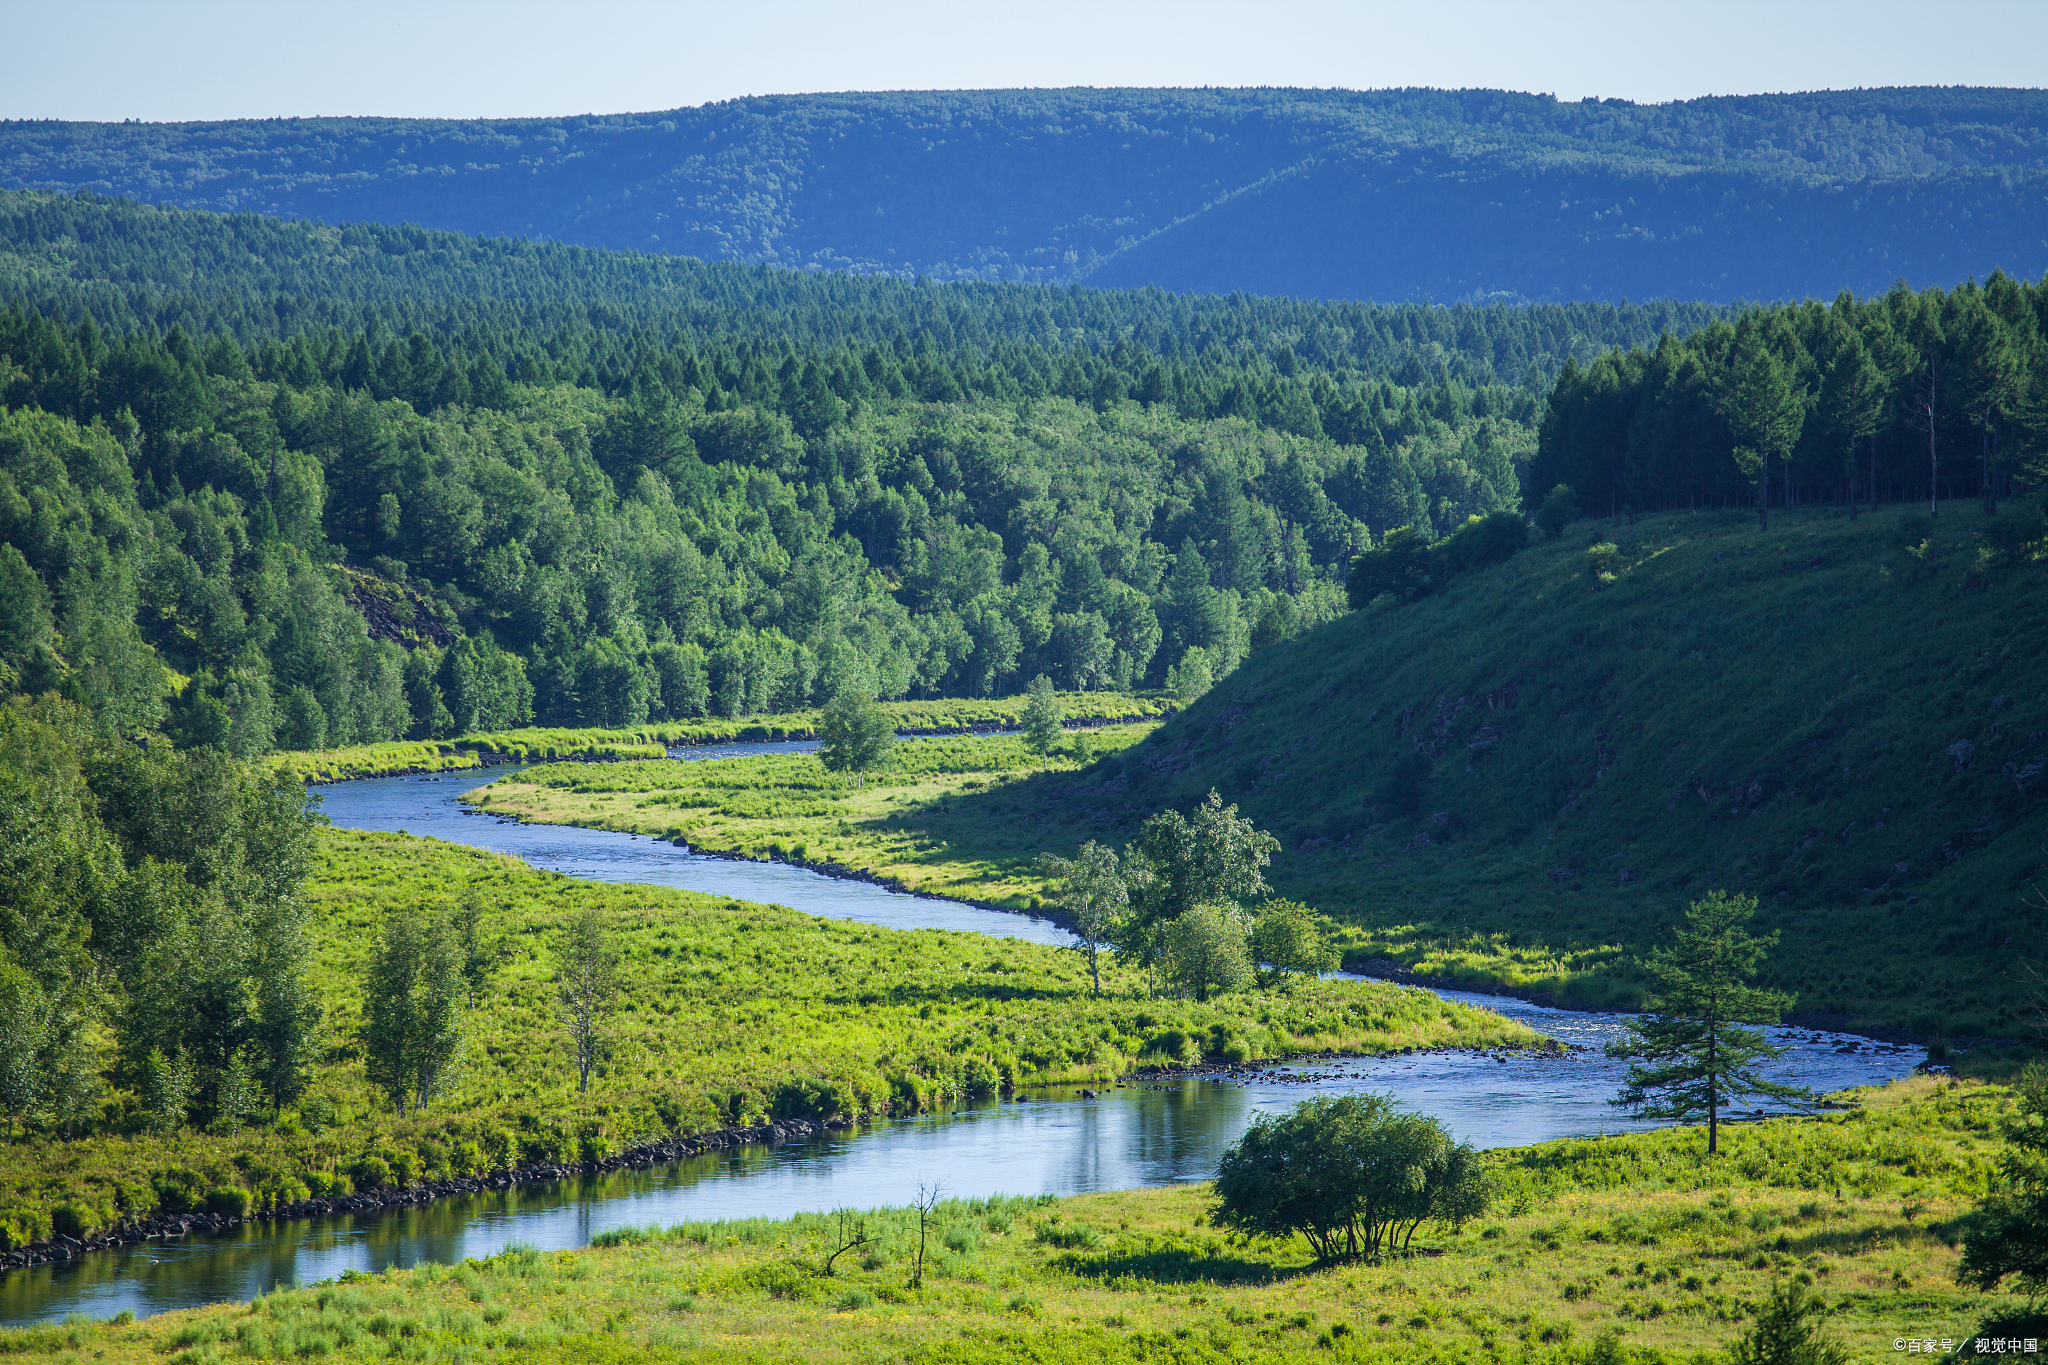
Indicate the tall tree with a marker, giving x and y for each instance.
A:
(1212, 856)
(1093, 895)
(1763, 410)
(1693, 1057)
(1042, 716)
(855, 733)
(1853, 393)
(587, 978)
(1988, 380)
(412, 1008)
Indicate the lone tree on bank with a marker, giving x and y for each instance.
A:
(1694, 1058)
(856, 733)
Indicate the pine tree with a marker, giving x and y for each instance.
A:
(1694, 1057)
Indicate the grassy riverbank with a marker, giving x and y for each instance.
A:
(906, 824)
(1639, 1238)
(651, 741)
(730, 1012)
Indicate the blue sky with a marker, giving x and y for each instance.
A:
(214, 59)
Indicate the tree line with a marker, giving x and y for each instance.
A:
(130, 267)
(1907, 396)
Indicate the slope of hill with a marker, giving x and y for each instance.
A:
(1523, 780)
(1398, 194)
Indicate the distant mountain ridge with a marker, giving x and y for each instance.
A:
(1422, 195)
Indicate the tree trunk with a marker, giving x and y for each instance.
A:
(1713, 1093)
(1763, 491)
(1933, 460)
(1873, 471)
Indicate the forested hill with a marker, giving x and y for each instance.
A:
(1389, 195)
(127, 265)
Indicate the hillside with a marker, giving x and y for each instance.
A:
(1392, 195)
(1524, 779)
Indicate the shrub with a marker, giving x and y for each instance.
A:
(1560, 509)
(68, 1220)
(371, 1172)
(1480, 542)
(231, 1200)
(1352, 1174)
(1398, 567)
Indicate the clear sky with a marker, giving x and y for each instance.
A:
(217, 59)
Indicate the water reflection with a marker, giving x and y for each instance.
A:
(432, 806)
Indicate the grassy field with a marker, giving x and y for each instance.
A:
(1634, 1248)
(1523, 780)
(651, 741)
(730, 1012)
(957, 817)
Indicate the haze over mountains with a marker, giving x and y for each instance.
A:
(1390, 195)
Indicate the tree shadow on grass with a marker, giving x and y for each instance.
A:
(1181, 1265)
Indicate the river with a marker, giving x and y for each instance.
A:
(1053, 1142)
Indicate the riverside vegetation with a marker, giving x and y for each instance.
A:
(535, 744)
(727, 1014)
(1513, 781)
(1636, 1248)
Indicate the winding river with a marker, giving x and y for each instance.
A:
(1055, 1142)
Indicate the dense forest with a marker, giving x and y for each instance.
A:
(1906, 396)
(1422, 195)
(127, 265)
(347, 537)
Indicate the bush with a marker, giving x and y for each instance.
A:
(1479, 543)
(810, 1098)
(371, 1172)
(1352, 1174)
(1787, 1332)
(1398, 567)
(1560, 509)
(232, 1200)
(68, 1220)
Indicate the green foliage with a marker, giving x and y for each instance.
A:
(1351, 1174)
(1204, 951)
(1042, 717)
(1288, 936)
(2008, 1237)
(1693, 1058)
(856, 734)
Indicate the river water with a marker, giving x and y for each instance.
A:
(1052, 1141)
